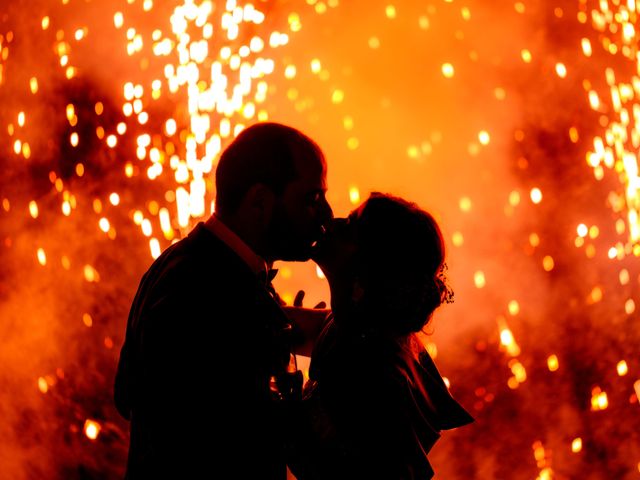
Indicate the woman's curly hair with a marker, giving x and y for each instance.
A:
(400, 264)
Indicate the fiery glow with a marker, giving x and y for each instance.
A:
(192, 80)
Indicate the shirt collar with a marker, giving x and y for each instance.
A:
(257, 264)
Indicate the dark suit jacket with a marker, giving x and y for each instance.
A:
(374, 409)
(203, 339)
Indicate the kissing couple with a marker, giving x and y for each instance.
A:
(207, 373)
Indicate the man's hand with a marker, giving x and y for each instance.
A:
(297, 302)
(307, 323)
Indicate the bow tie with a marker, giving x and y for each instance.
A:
(266, 276)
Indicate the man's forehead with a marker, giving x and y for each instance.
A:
(309, 162)
(313, 182)
(311, 168)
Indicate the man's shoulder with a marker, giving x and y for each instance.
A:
(200, 262)
(199, 250)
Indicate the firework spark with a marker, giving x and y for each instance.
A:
(617, 148)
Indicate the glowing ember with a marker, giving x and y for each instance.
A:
(87, 320)
(447, 70)
(465, 204)
(91, 274)
(629, 306)
(514, 307)
(552, 363)
(33, 209)
(354, 195)
(534, 239)
(582, 230)
(507, 340)
(576, 445)
(561, 70)
(42, 257)
(92, 429)
(457, 239)
(622, 368)
(599, 399)
(536, 195)
(42, 385)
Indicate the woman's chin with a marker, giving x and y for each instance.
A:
(322, 263)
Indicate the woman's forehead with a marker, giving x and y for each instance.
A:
(356, 213)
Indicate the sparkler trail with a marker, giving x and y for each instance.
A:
(218, 71)
(617, 25)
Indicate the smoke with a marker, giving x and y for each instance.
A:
(66, 285)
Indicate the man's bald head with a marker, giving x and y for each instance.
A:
(270, 154)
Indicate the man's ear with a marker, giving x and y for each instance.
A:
(261, 199)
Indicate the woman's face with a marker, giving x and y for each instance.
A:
(336, 251)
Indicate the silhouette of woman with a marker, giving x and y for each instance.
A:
(375, 403)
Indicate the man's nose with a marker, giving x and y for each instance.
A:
(327, 212)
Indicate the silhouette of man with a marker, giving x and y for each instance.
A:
(205, 338)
